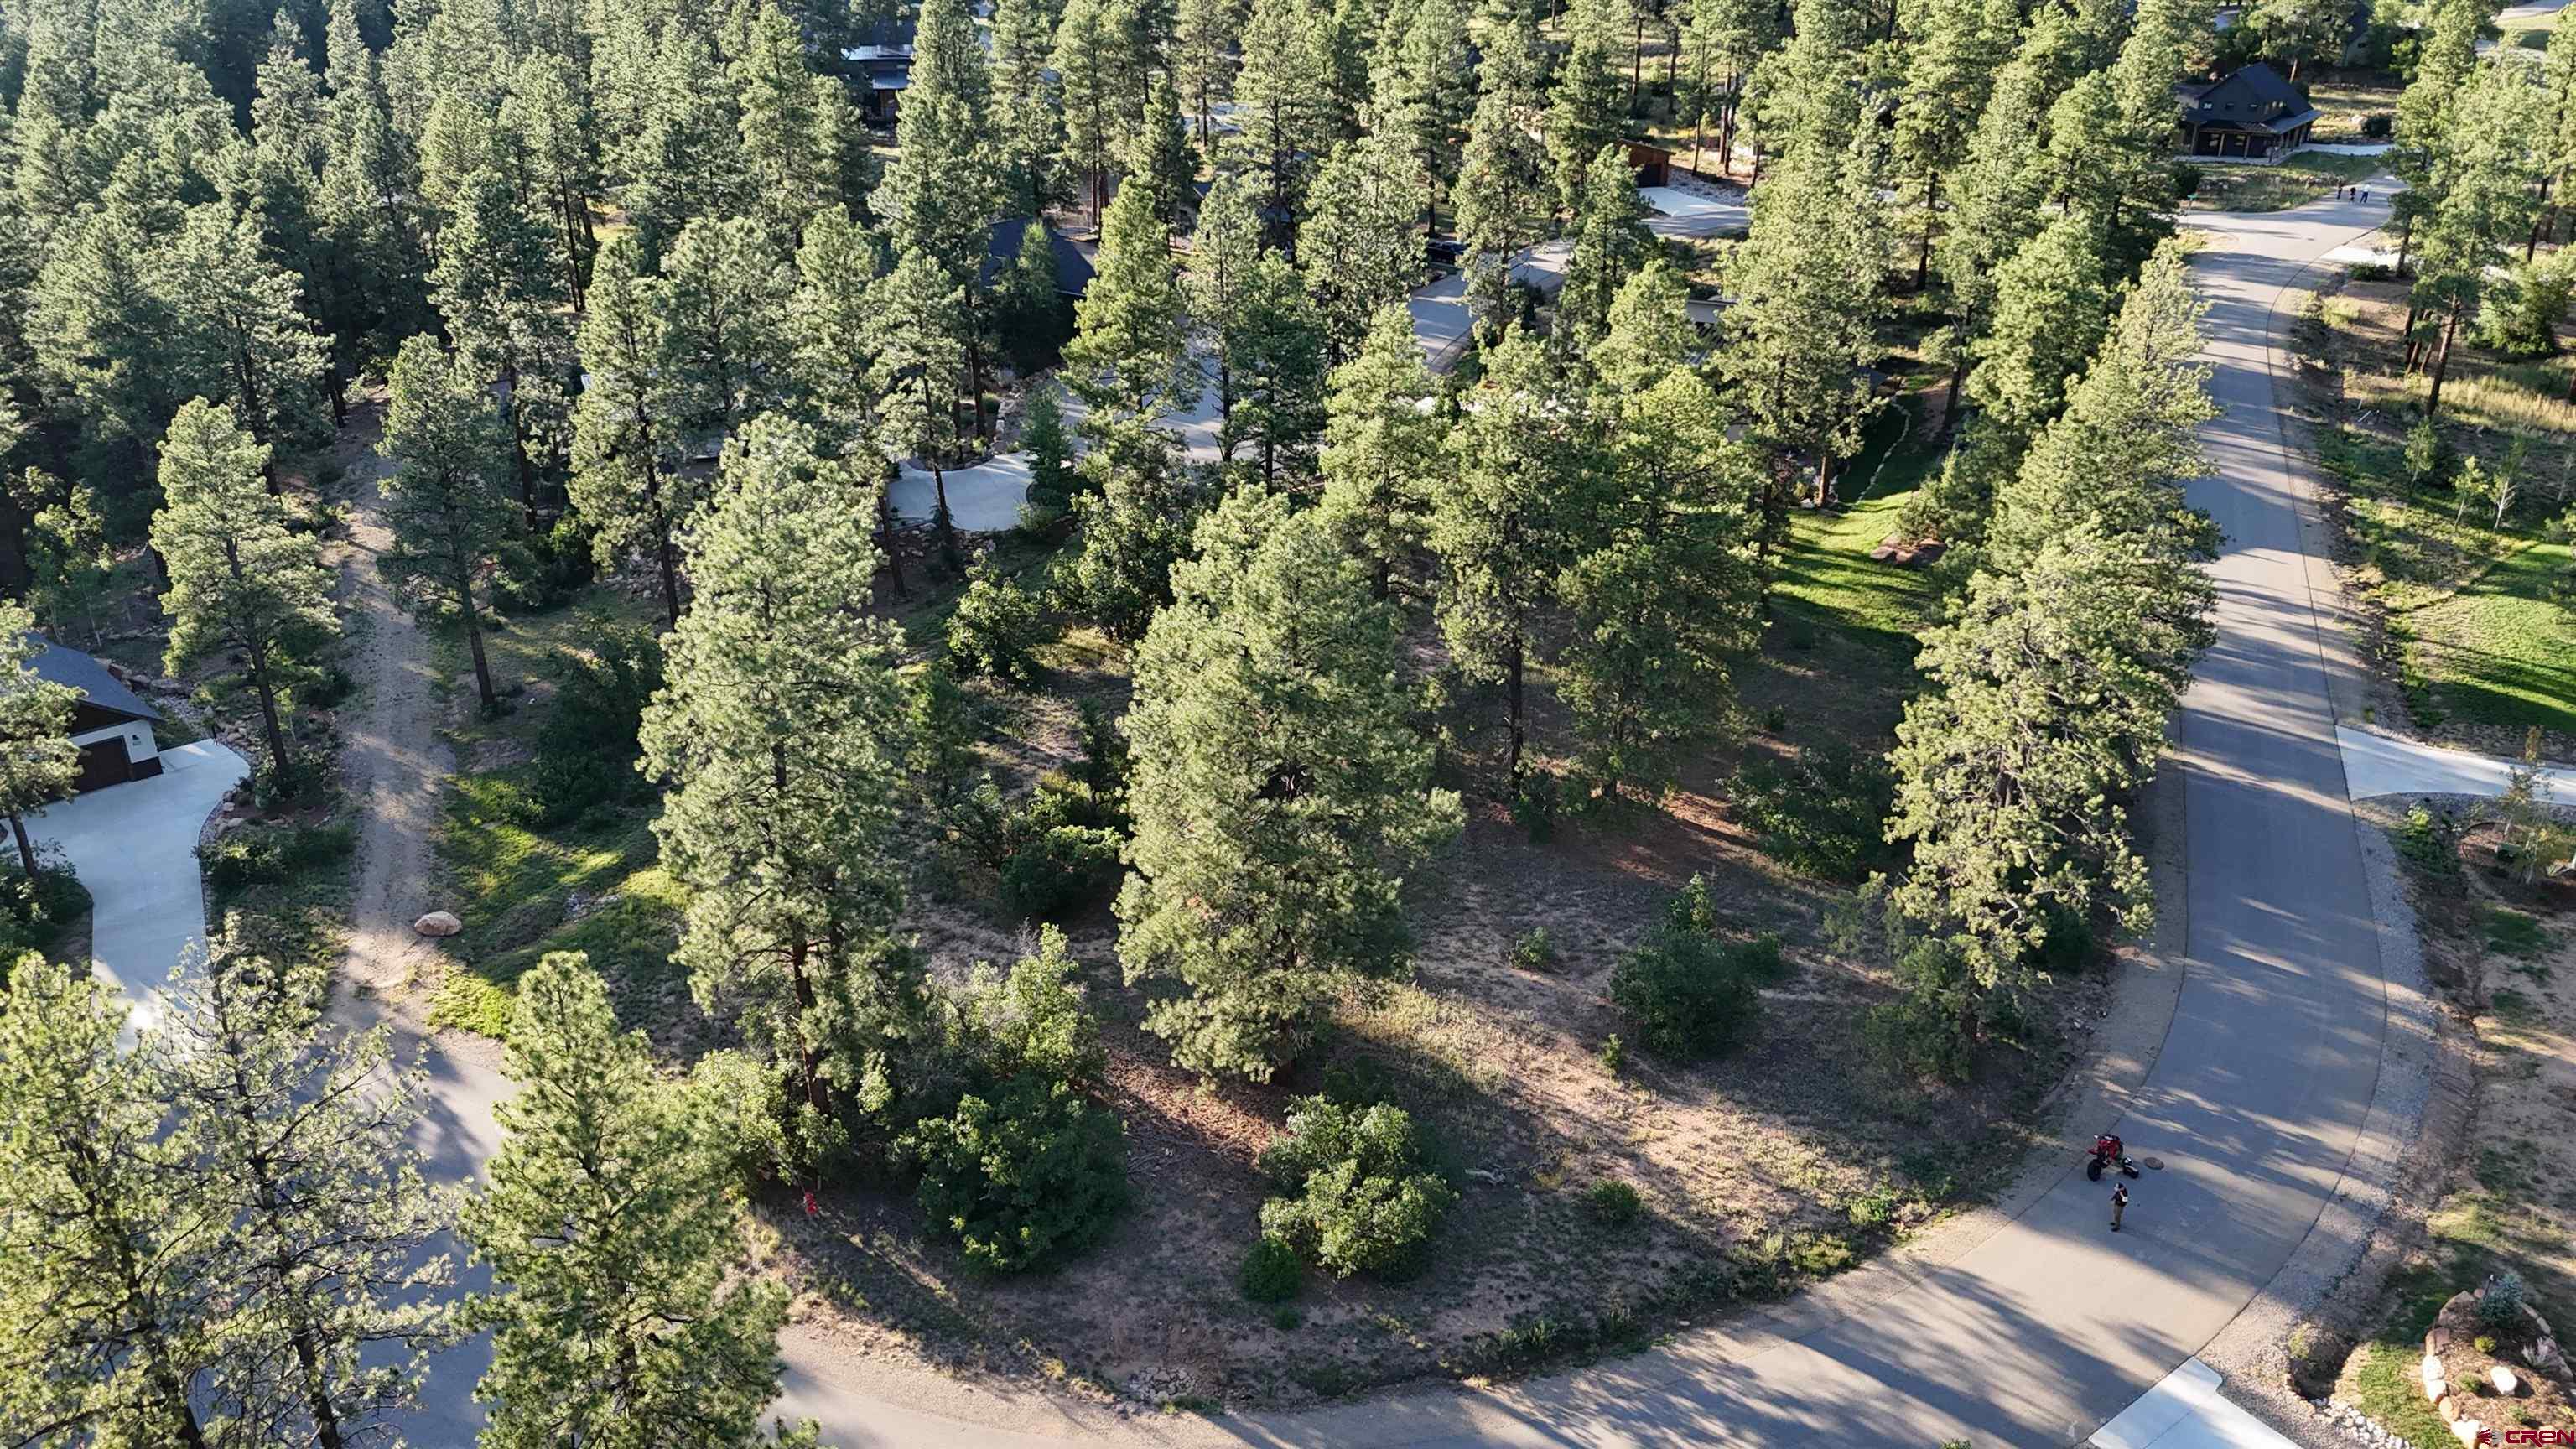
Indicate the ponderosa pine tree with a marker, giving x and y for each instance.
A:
(1722, 42)
(1589, 109)
(1028, 109)
(1424, 92)
(1085, 95)
(727, 344)
(2299, 31)
(1494, 526)
(1382, 451)
(1227, 245)
(1610, 243)
(682, 158)
(2488, 183)
(1159, 156)
(38, 761)
(241, 316)
(833, 323)
(1505, 193)
(625, 1317)
(1948, 77)
(1126, 356)
(500, 285)
(1649, 332)
(1280, 794)
(937, 197)
(1282, 94)
(1203, 57)
(1667, 595)
(922, 360)
(800, 141)
(627, 484)
(2051, 309)
(299, 1136)
(111, 1261)
(548, 122)
(1135, 521)
(446, 499)
(242, 583)
(777, 737)
(1358, 246)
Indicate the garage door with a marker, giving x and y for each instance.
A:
(104, 763)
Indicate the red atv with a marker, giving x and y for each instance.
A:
(2108, 1151)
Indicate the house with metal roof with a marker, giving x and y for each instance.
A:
(2253, 114)
(110, 722)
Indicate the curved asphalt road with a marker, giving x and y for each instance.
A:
(2050, 1326)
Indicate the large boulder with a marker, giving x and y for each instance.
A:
(438, 923)
(2467, 1431)
(2504, 1380)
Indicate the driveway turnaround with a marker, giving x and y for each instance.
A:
(135, 846)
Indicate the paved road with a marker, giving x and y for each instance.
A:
(135, 846)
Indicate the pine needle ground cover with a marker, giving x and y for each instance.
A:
(2479, 641)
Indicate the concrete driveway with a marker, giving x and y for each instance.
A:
(135, 846)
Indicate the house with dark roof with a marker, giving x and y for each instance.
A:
(110, 722)
(1002, 251)
(878, 67)
(2253, 114)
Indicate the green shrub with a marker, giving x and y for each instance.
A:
(1928, 1031)
(33, 917)
(1614, 1054)
(748, 1100)
(2499, 1302)
(1272, 1270)
(2428, 455)
(1613, 1203)
(1057, 871)
(1691, 995)
(1363, 1201)
(2378, 125)
(2429, 842)
(997, 628)
(1024, 1179)
(267, 854)
(1536, 805)
(1030, 1022)
(1822, 814)
(2483, 1343)
(1534, 950)
(585, 748)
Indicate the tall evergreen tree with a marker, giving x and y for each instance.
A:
(1279, 793)
(1126, 354)
(1722, 42)
(798, 134)
(921, 362)
(1028, 109)
(937, 197)
(834, 324)
(1085, 90)
(241, 582)
(445, 498)
(1425, 91)
(38, 761)
(501, 287)
(1610, 243)
(300, 1137)
(1948, 77)
(625, 1317)
(1504, 192)
(777, 735)
(1283, 96)
(1649, 332)
(1358, 245)
(627, 483)
(1589, 109)
(2051, 311)
(724, 296)
(1135, 521)
(1382, 451)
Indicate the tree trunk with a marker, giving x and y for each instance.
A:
(667, 558)
(26, 847)
(948, 549)
(282, 763)
(1636, 65)
(886, 545)
(2442, 361)
(1923, 259)
(474, 645)
(1513, 693)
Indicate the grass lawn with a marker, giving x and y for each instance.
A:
(2242, 186)
(2502, 650)
(2346, 107)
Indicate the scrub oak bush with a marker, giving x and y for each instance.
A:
(1358, 1197)
(585, 749)
(1053, 855)
(1613, 1203)
(1022, 1179)
(1691, 995)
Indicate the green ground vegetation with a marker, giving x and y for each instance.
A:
(2294, 182)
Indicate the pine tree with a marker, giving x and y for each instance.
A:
(300, 1136)
(1947, 81)
(110, 1257)
(1494, 526)
(1424, 93)
(1135, 523)
(626, 1317)
(1610, 243)
(1279, 793)
(834, 325)
(1158, 156)
(242, 583)
(1203, 56)
(627, 484)
(70, 568)
(796, 127)
(1997, 193)
(937, 198)
(1504, 195)
(2051, 311)
(38, 761)
(1358, 245)
(241, 316)
(445, 497)
(1669, 593)
(2301, 30)
(726, 345)
(921, 361)
(549, 120)
(1028, 109)
(1382, 451)
(1276, 355)
(1649, 332)
(1590, 107)
(682, 158)
(1126, 353)
(777, 737)
(1282, 93)
(1723, 41)
(501, 287)
(1225, 249)
(1085, 91)
(1810, 283)
(2487, 184)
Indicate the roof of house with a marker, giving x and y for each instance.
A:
(1072, 269)
(60, 665)
(2254, 98)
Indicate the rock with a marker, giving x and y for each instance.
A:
(1483, 1174)
(2447, 1407)
(2504, 1380)
(438, 923)
(2544, 1356)
(2436, 1390)
(2467, 1431)
(2437, 1339)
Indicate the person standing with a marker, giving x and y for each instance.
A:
(2119, 1204)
